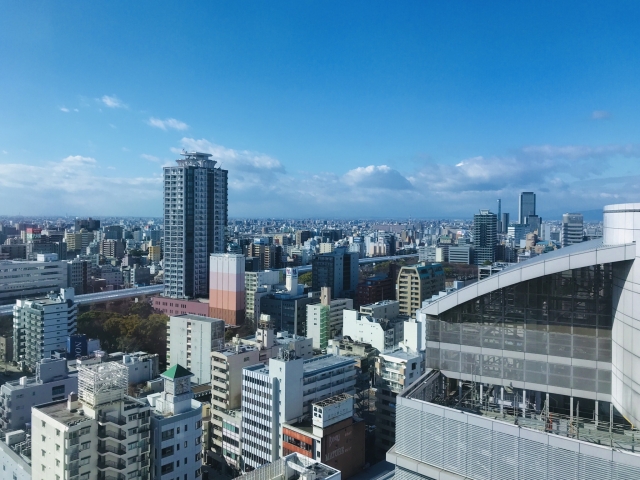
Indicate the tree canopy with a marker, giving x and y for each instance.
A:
(136, 329)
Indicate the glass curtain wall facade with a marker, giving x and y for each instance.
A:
(552, 332)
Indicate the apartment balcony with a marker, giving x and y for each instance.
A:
(117, 465)
(110, 476)
(116, 450)
(116, 434)
(115, 419)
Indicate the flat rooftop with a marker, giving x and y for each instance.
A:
(400, 355)
(59, 412)
(312, 366)
(33, 382)
(315, 365)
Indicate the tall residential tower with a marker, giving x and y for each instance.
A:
(195, 218)
(485, 226)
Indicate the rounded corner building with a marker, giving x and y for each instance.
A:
(533, 372)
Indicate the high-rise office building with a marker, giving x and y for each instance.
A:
(499, 216)
(88, 223)
(266, 253)
(533, 369)
(42, 326)
(338, 270)
(485, 237)
(526, 206)
(504, 222)
(302, 236)
(78, 272)
(195, 219)
(227, 287)
(572, 229)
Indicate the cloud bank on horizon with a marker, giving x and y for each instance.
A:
(566, 177)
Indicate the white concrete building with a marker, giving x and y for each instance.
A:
(22, 279)
(190, 341)
(176, 426)
(394, 371)
(42, 326)
(382, 333)
(293, 467)
(52, 382)
(99, 434)
(227, 365)
(283, 391)
(142, 366)
(382, 309)
(15, 456)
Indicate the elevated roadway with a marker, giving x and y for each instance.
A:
(155, 289)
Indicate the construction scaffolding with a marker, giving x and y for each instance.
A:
(102, 383)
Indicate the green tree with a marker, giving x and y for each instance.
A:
(305, 278)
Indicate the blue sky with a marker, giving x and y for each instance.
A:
(347, 109)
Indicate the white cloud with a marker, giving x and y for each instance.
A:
(243, 161)
(76, 110)
(113, 101)
(567, 178)
(374, 176)
(600, 115)
(64, 109)
(76, 184)
(168, 123)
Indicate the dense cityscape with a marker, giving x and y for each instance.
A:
(319, 240)
(301, 344)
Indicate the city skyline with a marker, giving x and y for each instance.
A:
(382, 112)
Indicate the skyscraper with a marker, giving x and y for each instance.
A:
(526, 206)
(504, 222)
(485, 225)
(195, 218)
